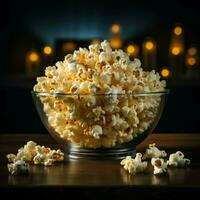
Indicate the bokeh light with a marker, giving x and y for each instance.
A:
(47, 50)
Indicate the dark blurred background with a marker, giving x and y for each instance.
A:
(163, 34)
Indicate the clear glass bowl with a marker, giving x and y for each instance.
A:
(100, 126)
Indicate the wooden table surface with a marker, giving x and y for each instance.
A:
(103, 178)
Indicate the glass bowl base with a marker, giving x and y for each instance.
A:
(77, 152)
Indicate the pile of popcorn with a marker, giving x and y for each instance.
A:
(101, 108)
(136, 165)
(32, 153)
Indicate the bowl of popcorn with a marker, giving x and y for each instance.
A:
(99, 103)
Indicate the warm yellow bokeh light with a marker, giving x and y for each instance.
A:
(191, 61)
(47, 50)
(95, 41)
(149, 45)
(130, 49)
(69, 46)
(165, 72)
(192, 51)
(116, 43)
(33, 57)
(178, 30)
(115, 28)
(175, 51)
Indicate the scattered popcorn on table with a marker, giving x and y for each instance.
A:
(154, 152)
(177, 160)
(160, 166)
(33, 153)
(11, 157)
(128, 164)
(46, 156)
(95, 77)
(20, 167)
(25, 153)
(134, 166)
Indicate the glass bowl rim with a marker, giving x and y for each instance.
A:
(164, 92)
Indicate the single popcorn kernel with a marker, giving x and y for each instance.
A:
(98, 105)
(178, 160)
(154, 152)
(160, 166)
(134, 165)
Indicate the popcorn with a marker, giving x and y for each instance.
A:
(46, 156)
(20, 167)
(160, 166)
(72, 67)
(177, 160)
(104, 57)
(98, 111)
(102, 84)
(106, 46)
(134, 166)
(25, 153)
(128, 164)
(96, 131)
(31, 152)
(11, 157)
(154, 152)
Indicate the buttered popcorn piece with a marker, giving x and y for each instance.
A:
(25, 153)
(97, 131)
(46, 156)
(154, 152)
(160, 166)
(141, 165)
(134, 166)
(128, 164)
(96, 78)
(20, 167)
(177, 160)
